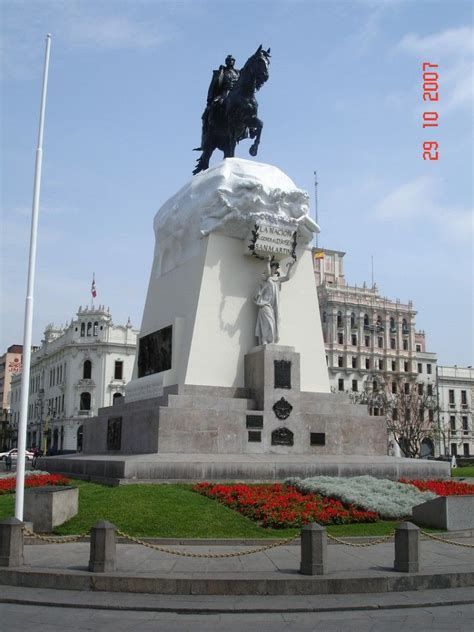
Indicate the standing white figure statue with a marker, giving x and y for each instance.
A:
(267, 300)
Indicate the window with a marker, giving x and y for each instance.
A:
(366, 321)
(454, 449)
(354, 362)
(340, 384)
(452, 423)
(465, 427)
(340, 338)
(89, 329)
(395, 414)
(62, 403)
(85, 401)
(451, 396)
(430, 415)
(420, 367)
(428, 369)
(354, 340)
(324, 317)
(429, 389)
(394, 387)
(392, 324)
(464, 398)
(380, 342)
(83, 330)
(96, 328)
(380, 364)
(117, 398)
(118, 372)
(394, 365)
(367, 341)
(404, 326)
(87, 370)
(340, 361)
(465, 449)
(375, 386)
(420, 389)
(367, 363)
(406, 387)
(355, 386)
(422, 413)
(418, 348)
(353, 320)
(405, 344)
(405, 367)
(393, 343)
(339, 319)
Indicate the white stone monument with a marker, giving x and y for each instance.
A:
(200, 310)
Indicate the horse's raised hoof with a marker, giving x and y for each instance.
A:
(253, 150)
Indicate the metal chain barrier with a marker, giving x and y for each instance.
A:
(385, 538)
(435, 537)
(163, 549)
(62, 540)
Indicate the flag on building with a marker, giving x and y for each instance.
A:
(93, 290)
(319, 254)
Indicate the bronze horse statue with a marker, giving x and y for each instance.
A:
(228, 120)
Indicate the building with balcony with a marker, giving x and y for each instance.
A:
(366, 334)
(10, 365)
(77, 369)
(456, 397)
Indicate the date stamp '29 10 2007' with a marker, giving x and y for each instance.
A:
(430, 119)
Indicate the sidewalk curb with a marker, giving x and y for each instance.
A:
(232, 585)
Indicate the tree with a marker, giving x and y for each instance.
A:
(408, 408)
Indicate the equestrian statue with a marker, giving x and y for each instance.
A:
(231, 110)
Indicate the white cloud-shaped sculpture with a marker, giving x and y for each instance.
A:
(228, 198)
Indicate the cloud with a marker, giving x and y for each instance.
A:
(115, 32)
(419, 199)
(453, 50)
(100, 26)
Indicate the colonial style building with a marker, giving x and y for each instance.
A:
(366, 334)
(76, 370)
(456, 397)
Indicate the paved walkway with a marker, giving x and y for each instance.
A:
(279, 562)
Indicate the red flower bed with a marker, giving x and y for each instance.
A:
(442, 488)
(7, 485)
(280, 506)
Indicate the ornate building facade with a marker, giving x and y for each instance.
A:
(77, 369)
(366, 334)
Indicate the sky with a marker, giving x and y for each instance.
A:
(127, 86)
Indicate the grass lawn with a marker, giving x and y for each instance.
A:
(463, 471)
(172, 511)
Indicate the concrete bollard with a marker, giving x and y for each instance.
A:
(313, 549)
(11, 542)
(103, 557)
(407, 548)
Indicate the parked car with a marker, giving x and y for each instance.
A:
(13, 454)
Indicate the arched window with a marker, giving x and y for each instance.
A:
(117, 398)
(339, 319)
(83, 330)
(353, 320)
(85, 401)
(404, 326)
(366, 321)
(392, 324)
(87, 370)
(89, 329)
(96, 328)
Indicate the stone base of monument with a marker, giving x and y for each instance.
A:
(270, 415)
(268, 430)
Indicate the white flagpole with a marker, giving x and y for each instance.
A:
(25, 376)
